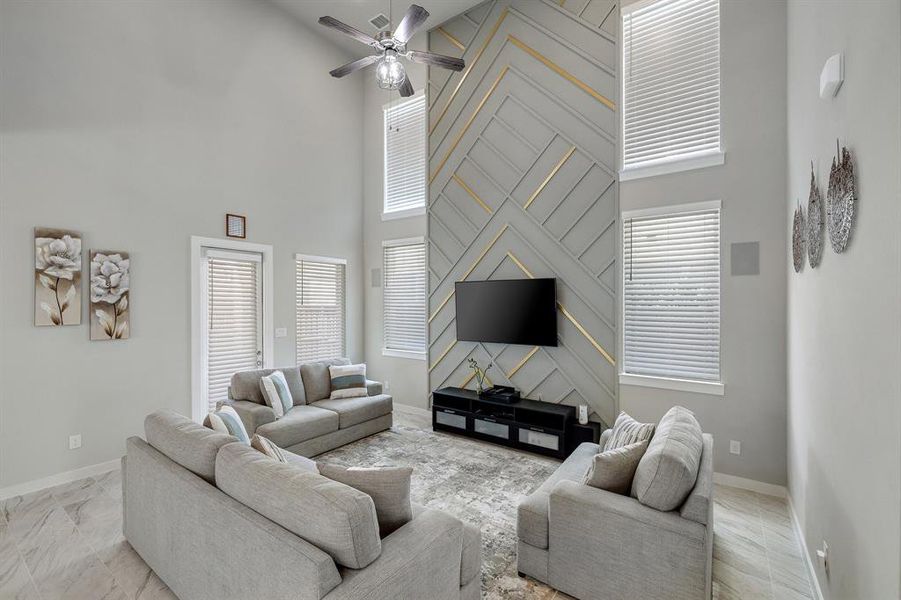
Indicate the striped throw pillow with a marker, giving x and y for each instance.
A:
(268, 448)
(628, 431)
(226, 420)
(276, 393)
(348, 381)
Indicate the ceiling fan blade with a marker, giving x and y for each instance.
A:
(414, 17)
(438, 60)
(333, 23)
(406, 88)
(360, 63)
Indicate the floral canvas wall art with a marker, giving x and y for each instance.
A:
(110, 279)
(57, 277)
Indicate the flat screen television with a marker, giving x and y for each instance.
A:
(507, 311)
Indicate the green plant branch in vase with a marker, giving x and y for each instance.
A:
(479, 374)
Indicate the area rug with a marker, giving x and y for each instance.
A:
(479, 483)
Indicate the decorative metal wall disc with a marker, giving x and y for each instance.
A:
(798, 240)
(840, 199)
(814, 222)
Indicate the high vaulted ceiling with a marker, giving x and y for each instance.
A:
(358, 12)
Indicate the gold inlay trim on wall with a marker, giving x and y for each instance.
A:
(470, 270)
(471, 65)
(451, 38)
(562, 72)
(471, 377)
(567, 314)
(549, 177)
(443, 354)
(469, 122)
(472, 193)
(524, 360)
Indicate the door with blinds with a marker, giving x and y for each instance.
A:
(320, 285)
(404, 298)
(232, 316)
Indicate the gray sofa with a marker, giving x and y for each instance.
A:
(217, 520)
(595, 544)
(315, 424)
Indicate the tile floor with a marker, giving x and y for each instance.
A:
(66, 543)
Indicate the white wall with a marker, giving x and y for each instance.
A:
(406, 377)
(140, 124)
(751, 185)
(844, 317)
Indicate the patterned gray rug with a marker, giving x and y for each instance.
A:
(477, 482)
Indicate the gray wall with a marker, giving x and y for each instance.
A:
(751, 186)
(844, 317)
(523, 182)
(140, 124)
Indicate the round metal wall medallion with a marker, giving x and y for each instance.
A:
(814, 222)
(840, 199)
(798, 240)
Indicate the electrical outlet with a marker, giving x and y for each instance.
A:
(386, 385)
(75, 441)
(281, 332)
(734, 447)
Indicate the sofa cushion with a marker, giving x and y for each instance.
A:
(334, 517)
(245, 385)
(316, 380)
(347, 381)
(189, 444)
(627, 430)
(389, 488)
(668, 470)
(353, 411)
(264, 445)
(531, 520)
(300, 424)
(226, 420)
(613, 470)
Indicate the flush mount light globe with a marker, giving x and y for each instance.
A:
(390, 73)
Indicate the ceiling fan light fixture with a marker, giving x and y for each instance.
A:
(390, 73)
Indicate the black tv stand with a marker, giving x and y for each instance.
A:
(524, 424)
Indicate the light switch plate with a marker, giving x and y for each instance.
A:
(75, 441)
(734, 447)
(281, 332)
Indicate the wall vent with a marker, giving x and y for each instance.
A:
(380, 21)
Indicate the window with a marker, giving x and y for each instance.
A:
(405, 158)
(671, 86)
(404, 295)
(320, 284)
(671, 297)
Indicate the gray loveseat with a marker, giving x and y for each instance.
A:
(595, 544)
(217, 520)
(315, 424)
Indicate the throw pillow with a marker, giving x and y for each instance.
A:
(389, 488)
(268, 448)
(226, 420)
(628, 431)
(276, 393)
(348, 381)
(613, 470)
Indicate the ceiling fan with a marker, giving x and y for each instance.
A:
(390, 73)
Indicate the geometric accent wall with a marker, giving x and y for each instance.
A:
(522, 183)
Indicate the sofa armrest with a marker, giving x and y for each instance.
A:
(252, 414)
(604, 437)
(419, 560)
(652, 553)
(373, 388)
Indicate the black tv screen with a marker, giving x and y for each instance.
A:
(507, 311)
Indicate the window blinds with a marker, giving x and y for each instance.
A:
(320, 288)
(234, 319)
(404, 289)
(405, 155)
(671, 81)
(671, 294)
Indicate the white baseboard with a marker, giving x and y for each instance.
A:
(808, 559)
(761, 487)
(58, 479)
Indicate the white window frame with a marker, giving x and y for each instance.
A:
(714, 388)
(326, 260)
(419, 210)
(676, 164)
(394, 352)
(199, 407)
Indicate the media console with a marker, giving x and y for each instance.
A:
(549, 429)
